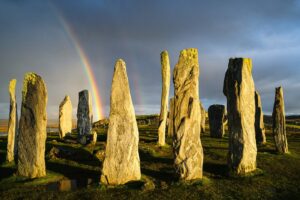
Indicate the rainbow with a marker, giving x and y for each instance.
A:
(86, 65)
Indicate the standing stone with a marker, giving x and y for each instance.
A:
(239, 90)
(33, 123)
(202, 118)
(279, 128)
(94, 138)
(12, 123)
(122, 161)
(84, 116)
(165, 71)
(171, 118)
(65, 117)
(216, 115)
(259, 121)
(186, 140)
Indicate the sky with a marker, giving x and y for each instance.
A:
(44, 37)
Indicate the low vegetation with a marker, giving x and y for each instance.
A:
(278, 176)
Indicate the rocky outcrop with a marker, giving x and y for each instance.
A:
(84, 115)
(216, 116)
(32, 130)
(186, 140)
(165, 71)
(171, 118)
(203, 118)
(12, 123)
(259, 121)
(65, 117)
(279, 128)
(122, 162)
(239, 90)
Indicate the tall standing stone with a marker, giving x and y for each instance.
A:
(171, 118)
(186, 140)
(259, 121)
(165, 71)
(239, 90)
(84, 115)
(32, 130)
(122, 162)
(65, 117)
(279, 128)
(216, 116)
(202, 118)
(12, 123)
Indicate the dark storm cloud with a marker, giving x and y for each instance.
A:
(137, 31)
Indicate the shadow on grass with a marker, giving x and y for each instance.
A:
(79, 155)
(217, 148)
(160, 170)
(77, 173)
(101, 137)
(2, 158)
(266, 149)
(164, 174)
(6, 172)
(146, 156)
(148, 140)
(219, 170)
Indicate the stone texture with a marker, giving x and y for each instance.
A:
(165, 71)
(216, 116)
(259, 121)
(239, 90)
(65, 117)
(32, 130)
(202, 118)
(279, 128)
(94, 139)
(171, 118)
(122, 162)
(186, 140)
(84, 114)
(12, 123)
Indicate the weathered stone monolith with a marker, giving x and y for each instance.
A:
(259, 121)
(203, 118)
(122, 162)
(171, 118)
(12, 123)
(216, 116)
(32, 130)
(84, 116)
(165, 71)
(94, 139)
(279, 128)
(239, 90)
(186, 140)
(65, 117)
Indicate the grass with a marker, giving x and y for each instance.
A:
(278, 176)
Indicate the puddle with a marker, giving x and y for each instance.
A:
(66, 185)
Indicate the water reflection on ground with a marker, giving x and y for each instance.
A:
(65, 185)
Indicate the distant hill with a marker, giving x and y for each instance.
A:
(293, 122)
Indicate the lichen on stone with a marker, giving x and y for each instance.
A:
(248, 63)
(31, 78)
(12, 88)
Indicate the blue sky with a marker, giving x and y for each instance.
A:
(32, 38)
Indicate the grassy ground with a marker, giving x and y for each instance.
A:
(279, 177)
